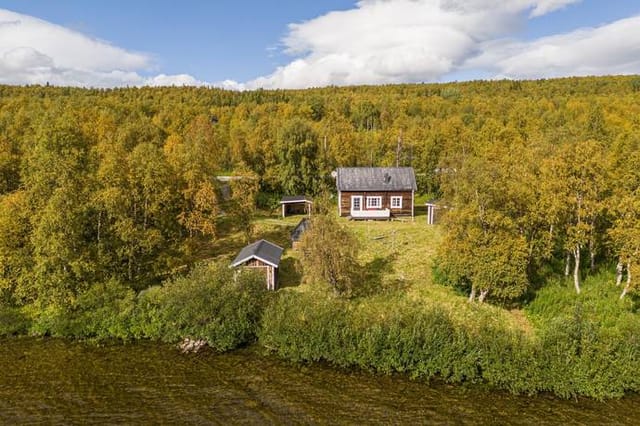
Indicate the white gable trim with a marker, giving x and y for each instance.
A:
(253, 256)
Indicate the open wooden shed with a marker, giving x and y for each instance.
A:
(295, 204)
(264, 256)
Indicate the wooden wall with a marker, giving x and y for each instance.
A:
(407, 200)
(270, 273)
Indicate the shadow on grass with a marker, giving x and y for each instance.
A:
(289, 273)
(420, 212)
(370, 277)
(635, 300)
(280, 236)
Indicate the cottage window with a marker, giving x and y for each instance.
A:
(374, 202)
(396, 202)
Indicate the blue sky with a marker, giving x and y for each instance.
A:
(211, 40)
(251, 43)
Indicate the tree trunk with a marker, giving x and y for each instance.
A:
(592, 256)
(144, 214)
(99, 225)
(625, 290)
(483, 295)
(619, 269)
(567, 264)
(576, 268)
(130, 266)
(472, 296)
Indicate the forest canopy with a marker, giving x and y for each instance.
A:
(99, 185)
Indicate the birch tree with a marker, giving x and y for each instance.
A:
(486, 246)
(625, 201)
(575, 193)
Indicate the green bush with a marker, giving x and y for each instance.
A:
(13, 321)
(147, 320)
(422, 341)
(209, 303)
(268, 200)
(102, 312)
(50, 320)
(599, 299)
(569, 355)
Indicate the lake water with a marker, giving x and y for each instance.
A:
(51, 381)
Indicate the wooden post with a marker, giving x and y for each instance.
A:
(273, 278)
(412, 206)
(431, 213)
(283, 211)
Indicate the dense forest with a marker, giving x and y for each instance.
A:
(120, 184)
(115, 222)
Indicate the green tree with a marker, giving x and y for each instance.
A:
(57, 179)
(625, 203)
(15, 249)
(244, 191)
(329, 251)
(298, 150)
(9, 166)
(575, 193)
(492, 233)
(195, 158)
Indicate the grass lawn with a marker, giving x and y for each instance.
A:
(396, 258)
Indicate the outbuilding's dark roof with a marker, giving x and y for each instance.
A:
(376, 179)
(302, 226)
(263, 250)
(295, 199)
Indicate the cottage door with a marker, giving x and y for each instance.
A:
(356, 203)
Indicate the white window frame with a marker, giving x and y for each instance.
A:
(376, 205)
(353, 198)
(396, 198)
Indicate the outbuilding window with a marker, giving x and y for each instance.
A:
(374, 202)
(396, 202)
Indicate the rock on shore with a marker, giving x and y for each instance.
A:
(189, 345)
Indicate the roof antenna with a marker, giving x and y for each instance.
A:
(398, 149)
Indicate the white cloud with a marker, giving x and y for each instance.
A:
(394, 41)
(609, 49)
(68, 49)
(174, 80)
(230, 85)
(33, 51)
(542, 7)
(376, 42)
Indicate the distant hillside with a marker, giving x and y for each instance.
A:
(115, 183)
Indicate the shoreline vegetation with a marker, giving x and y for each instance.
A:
(568, 345)
(113, 226)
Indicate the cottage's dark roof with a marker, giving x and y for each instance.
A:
(302, 226)
(295, 199)
(376, 179)
(263, 250)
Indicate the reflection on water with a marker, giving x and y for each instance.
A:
(59, 382)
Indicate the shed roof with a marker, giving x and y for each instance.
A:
(288, 199)
(262, 250)
(302, 226)
(376, 179)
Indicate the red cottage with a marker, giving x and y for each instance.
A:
(376, 192)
